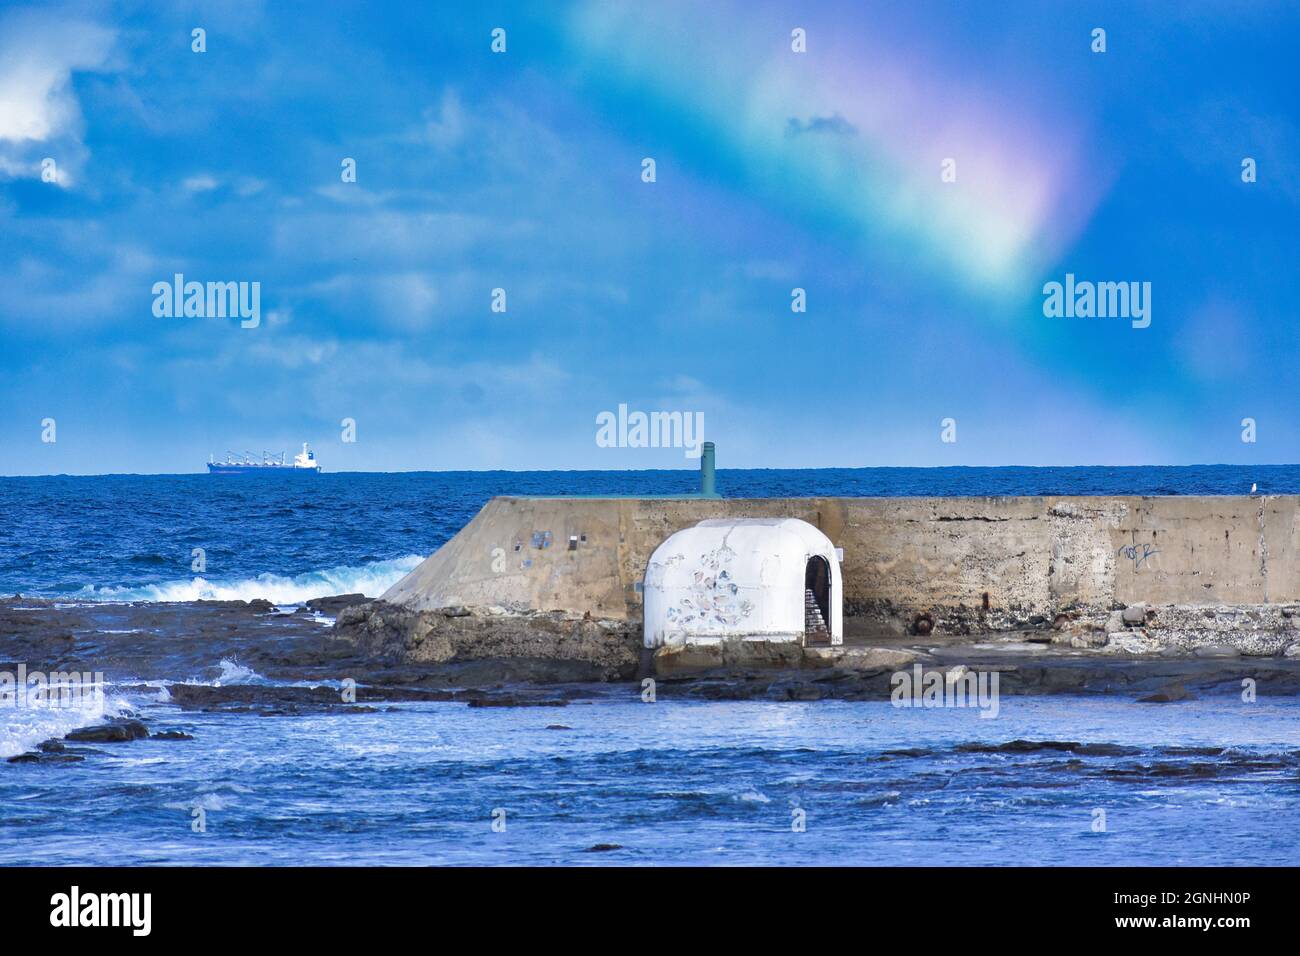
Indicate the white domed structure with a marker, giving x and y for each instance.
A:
(774, 579)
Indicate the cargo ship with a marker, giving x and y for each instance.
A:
(303, 463)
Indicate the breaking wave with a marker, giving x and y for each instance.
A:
(233, 672)
(371, 580)
(22, 728)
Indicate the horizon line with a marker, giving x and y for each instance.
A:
(612, 471)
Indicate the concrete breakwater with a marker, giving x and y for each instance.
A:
(1122, 575)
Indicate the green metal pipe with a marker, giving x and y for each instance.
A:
(708, 482)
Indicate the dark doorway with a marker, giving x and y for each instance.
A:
(817, 601)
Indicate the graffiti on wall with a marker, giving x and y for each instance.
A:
(1138, 553)
(714, 597)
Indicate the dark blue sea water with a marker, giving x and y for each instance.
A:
(131, 537)
(1212, 781)
(678, 783)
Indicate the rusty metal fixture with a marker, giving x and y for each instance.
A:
(923, 623)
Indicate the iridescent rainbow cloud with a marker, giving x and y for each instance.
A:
(856, 137)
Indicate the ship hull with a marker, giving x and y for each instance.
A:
(215, 469)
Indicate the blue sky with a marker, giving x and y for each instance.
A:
(774, 170)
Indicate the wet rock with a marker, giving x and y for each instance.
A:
(610, 650)
(1216, 650)
(1046, 673)
(249, 696)
(278, 699)
(1171, 694)
(1105, 750)
(514, 670)
(1018, 746)
(151, 641)
(558, 727)
(603, 848)
(859, 658)
(797, 690)
(36, 757)
(118, 731)
(331, 606)
(515, 700)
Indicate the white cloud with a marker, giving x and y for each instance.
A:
(392, 237)
(407, 300)
(42, 297)
(445, 128)
(248, 186)
(201, 183)
(39, 112)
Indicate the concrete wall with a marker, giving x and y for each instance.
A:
(1033, 555)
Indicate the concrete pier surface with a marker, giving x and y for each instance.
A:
(1127, 576)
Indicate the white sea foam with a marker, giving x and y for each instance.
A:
(233, 672)
(371, 580)
(210, 802)
(22, 728)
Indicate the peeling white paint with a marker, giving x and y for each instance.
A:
(737, 578)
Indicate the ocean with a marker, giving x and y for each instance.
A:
(607, 779)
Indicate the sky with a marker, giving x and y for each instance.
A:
(921, 171)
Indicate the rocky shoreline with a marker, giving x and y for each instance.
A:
(377, 655)
(612, 649)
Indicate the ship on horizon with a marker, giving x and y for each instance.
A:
(303, 463)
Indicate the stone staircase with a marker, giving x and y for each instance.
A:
(815, 630)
